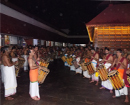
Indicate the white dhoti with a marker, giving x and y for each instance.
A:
(2, 75)
(86, 74)
(72, 68)
(107, 84)
(94, 76)
(79, 70)
(34, 89)
(26, 62)
(10, 83)
(123, 91)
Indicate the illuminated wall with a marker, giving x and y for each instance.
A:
(112, 37)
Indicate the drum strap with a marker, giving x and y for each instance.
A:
(35, 62)
(93, 56)
(107, 57)
(124, 75)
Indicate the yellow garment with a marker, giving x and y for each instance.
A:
(96, 74)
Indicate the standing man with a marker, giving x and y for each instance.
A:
(121, 66)
(94, 60)
(33, 74)
(10, 83)
(107, 61)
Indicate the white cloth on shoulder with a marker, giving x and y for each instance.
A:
(34, 89)
(10, 82)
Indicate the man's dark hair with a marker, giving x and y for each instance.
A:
(36, 46)
(5, 48)
(1, 49)
(13, 47)
(92, 48)
(29, 51)
(119, 50)
(106, 48)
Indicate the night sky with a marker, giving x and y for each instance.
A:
(64, 14)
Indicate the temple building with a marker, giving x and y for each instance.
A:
(111, 27)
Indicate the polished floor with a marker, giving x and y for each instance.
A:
(62, 87)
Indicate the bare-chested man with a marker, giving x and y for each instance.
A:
(10, 83)
(36, 55)
(34, 89)
(107, 61)
(125, 53)
(121, 66)
(94, 60)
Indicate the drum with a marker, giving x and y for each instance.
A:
(21, 61)
(102, 72)
(90, 68)
(63, 58)
(69, 61)
(44, 64)
(42, 73)
(116, 80)
(16, 70)
(84, 68)
(128, 78)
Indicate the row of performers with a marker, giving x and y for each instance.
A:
(41, 55)
(11, 62)
(114, 73)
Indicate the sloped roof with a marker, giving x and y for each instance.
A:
(118, 14)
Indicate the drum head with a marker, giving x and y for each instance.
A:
(112, 72)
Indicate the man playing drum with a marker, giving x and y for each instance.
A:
(107, 61)
(33, 74)
(94, 60)
(121, 66)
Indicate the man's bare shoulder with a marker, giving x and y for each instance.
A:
(4, 56)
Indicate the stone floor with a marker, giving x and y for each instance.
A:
(62, 87)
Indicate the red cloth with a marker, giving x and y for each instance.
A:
(107, 58)
(124, 75)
